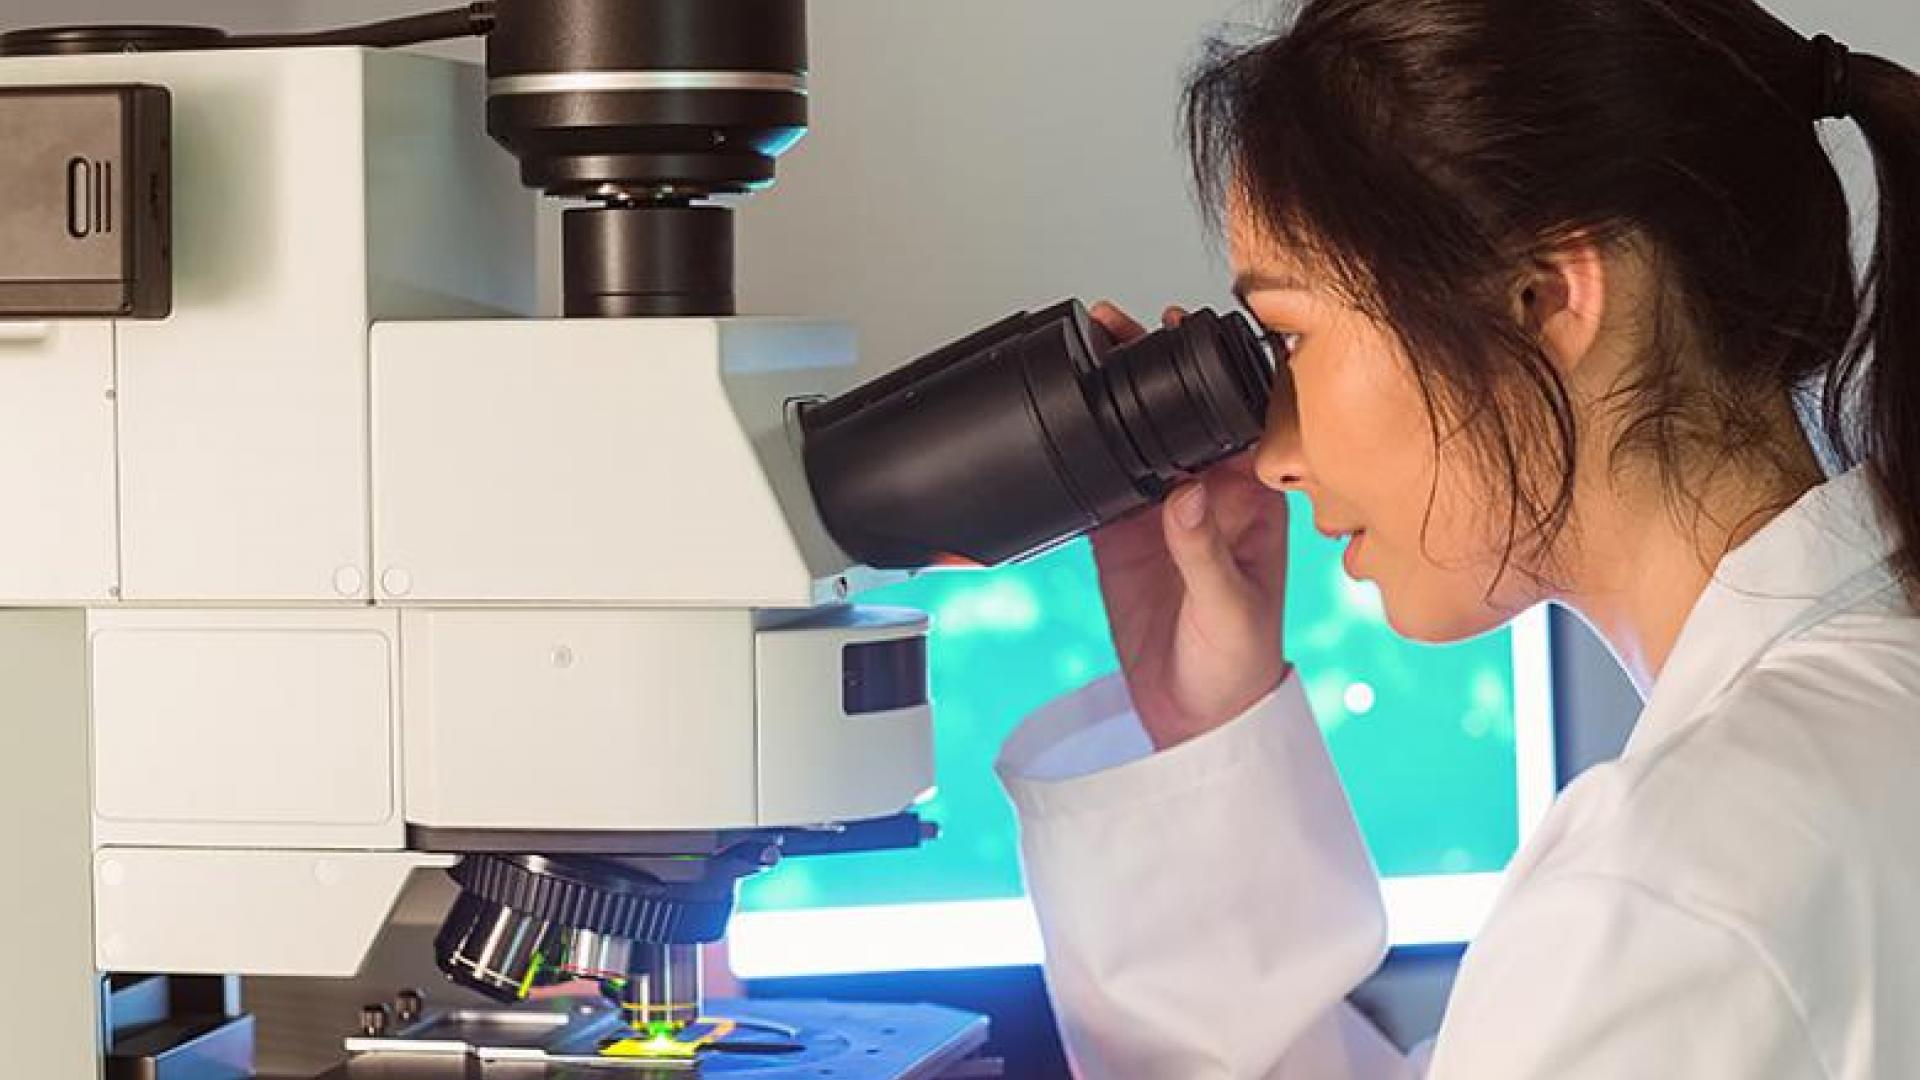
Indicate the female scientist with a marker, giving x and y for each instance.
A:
(1560, 282)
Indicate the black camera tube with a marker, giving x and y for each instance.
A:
(1028, 434)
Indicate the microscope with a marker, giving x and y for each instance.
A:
(330, 573)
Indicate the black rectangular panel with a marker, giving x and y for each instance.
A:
(85, 205)
(880, 676)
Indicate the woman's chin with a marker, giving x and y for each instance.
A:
(1439, 623)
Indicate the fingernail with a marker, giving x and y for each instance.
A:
(1190, 506)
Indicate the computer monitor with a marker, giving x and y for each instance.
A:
(1447, 754)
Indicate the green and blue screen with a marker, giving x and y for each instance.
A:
(1445, 752)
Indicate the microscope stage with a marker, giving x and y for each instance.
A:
(771, 1040)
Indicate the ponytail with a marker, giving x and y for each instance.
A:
(1885, 102)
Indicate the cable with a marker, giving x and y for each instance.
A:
(473, 20)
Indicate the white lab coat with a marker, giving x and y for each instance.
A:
(1737, 896)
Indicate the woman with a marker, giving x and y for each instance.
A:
(1560, 282)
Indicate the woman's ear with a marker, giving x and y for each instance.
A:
(1563, 300)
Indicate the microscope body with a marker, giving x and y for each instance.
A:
(348, 569)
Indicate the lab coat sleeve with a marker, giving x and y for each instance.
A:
(1585, 976)
(1207, 909)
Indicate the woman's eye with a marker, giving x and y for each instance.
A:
(1283, 344)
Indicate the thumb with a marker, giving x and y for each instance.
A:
(1201, 553)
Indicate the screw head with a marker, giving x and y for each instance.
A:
(375, 1021)
(396, 581)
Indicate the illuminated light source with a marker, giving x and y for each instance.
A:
(1358, 699)
(988, 677)
(655, 1048)
(661, 1041)
(1439, 909)
(998, 605)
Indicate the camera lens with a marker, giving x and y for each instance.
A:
(1030, 433)
(650, 108)
(688, 97)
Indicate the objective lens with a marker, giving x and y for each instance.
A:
(527, 921)
(660, 991)
(1028, 434)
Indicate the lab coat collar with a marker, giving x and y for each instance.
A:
(1827, 552)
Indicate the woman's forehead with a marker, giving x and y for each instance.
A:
(1268, 268)
(1259, 259)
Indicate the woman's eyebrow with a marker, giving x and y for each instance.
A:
(1252, 282)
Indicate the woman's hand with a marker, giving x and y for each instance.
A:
(1195, 592)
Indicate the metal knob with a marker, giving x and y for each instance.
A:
(409, 1004)
(375, 1021)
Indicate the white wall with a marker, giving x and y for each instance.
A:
(1890, 28)
(971, 159)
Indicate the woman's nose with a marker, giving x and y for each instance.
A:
(1280, 461)
(1278, 466)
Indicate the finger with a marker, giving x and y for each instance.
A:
(1129, 544)
(1236, 489)
(1116, 322)
(1261, 551)
(1239, 502)
(1240, 464)
(1201, 553)
(1253, 521)
(1173, 316)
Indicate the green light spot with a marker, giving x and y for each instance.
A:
(533, 972)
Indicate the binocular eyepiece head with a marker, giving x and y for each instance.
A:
(1030, 433)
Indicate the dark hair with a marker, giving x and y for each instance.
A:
(1427, 152)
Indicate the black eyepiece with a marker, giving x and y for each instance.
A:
(1028, 434)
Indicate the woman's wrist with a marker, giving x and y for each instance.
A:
(1169, 725)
